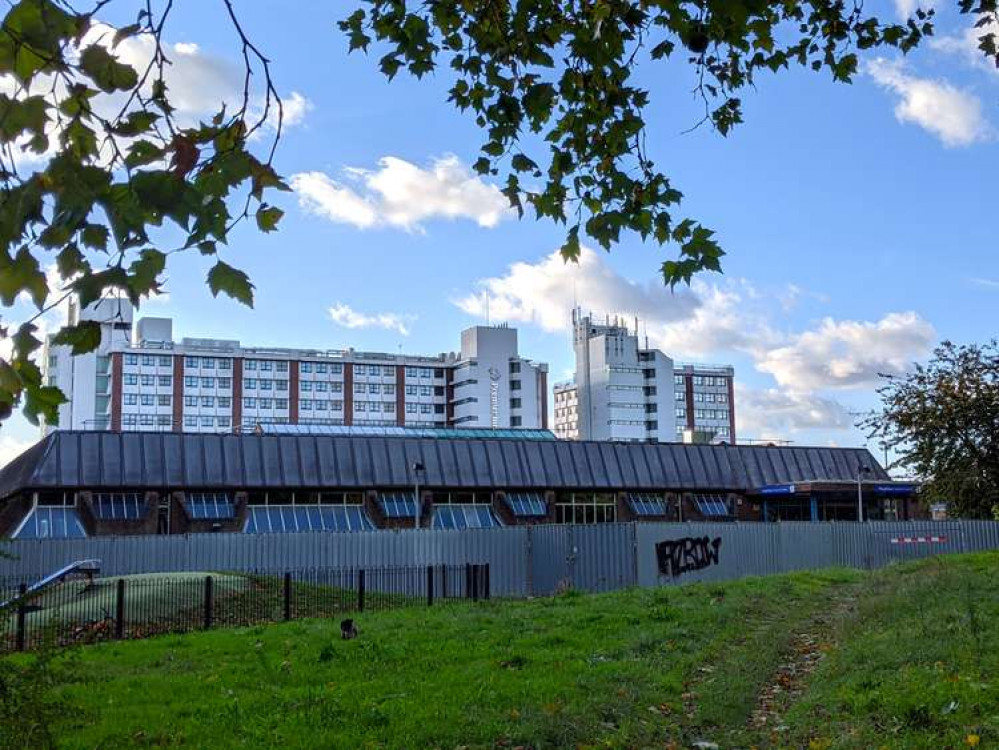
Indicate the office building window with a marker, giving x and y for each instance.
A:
(321, 368)
(360, 406)
(266, 385)
(207, 421)
(148, 380)
(131, 359)
(514, 403)
(130, 420)
(131, 399)
(388, 371)
(280, 403)
(282, 367)
(224, 421)
(164, 400)
(190, 420)
(191, 363)
(249, 403)
(321, 405)
(250, 364)
(306, 385)
(130, 379)
(388, 389)
(208, 402)
(374, 388)
(207, 363)
(250, 384)
(336, 387)
(358, 387)
(265, 403)
(426, 408)
(165, 360)
(147, 399)
(305, 367)
(148, 360)
(426, 390)
(336, 368)
(514, 385)
(336, 405)
(411, 390)
(515, 421)
(225, 382)
(388, 406)
(190, 381)
(165, 381)
(164, 420)
(412, 372)
(190, 400)
(305, 404)
(266, 366)
(225, 364)
(514, 368)
(208, 382)
(224, 402)
(281, 385)
(411, 408)
(321, 387)
(147, 420)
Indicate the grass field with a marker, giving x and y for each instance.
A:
(900, 658)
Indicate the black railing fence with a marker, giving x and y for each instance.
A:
(91, 610)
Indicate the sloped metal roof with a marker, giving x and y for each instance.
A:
(171, 460)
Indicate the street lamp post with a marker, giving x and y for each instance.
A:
(417, 468)
(860, 491)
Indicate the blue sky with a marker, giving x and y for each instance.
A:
(856, 218)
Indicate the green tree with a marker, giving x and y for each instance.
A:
(550, 82)
(943, 421)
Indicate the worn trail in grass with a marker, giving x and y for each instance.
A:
(629, 669)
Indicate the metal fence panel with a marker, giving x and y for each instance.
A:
(526, 560)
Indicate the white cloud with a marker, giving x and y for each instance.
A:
(403, 195)
(545, 292)
(347, 317)
(719, 320)
(849, 353)
(951, 114)
(986, 283)
(965, 45)
(907, 8)
(12, 447)
(770, 413)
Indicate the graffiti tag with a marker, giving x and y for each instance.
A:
(679, 556)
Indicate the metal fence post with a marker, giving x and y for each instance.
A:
(430, 585)
(475, 582)
(468, 580)
(22, 592)
(443, 581)
(360, 590)
(486, 584)
(287, 596)
(208, 602)
(119, 610)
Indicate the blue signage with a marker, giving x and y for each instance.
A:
(777, 489)
(894, 489)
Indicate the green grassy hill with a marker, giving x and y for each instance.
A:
(904, 657)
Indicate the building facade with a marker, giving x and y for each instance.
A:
(623, 392)
(87, 483)
(139, 378)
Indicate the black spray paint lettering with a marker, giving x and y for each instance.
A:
(679, 556)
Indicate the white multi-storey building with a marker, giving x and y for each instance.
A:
(139, 378)
(623, 392)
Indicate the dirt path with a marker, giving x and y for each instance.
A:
(808, 648)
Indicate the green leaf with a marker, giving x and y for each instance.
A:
(232, 281)
(105, 70)
(20, 115)
(84, 337)
(22, 275)
(146, 270)
(95, 236)
(70, 261)
(268, 217)
(137, 122)
(43, 401)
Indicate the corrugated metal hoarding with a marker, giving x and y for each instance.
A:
(527, 561)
